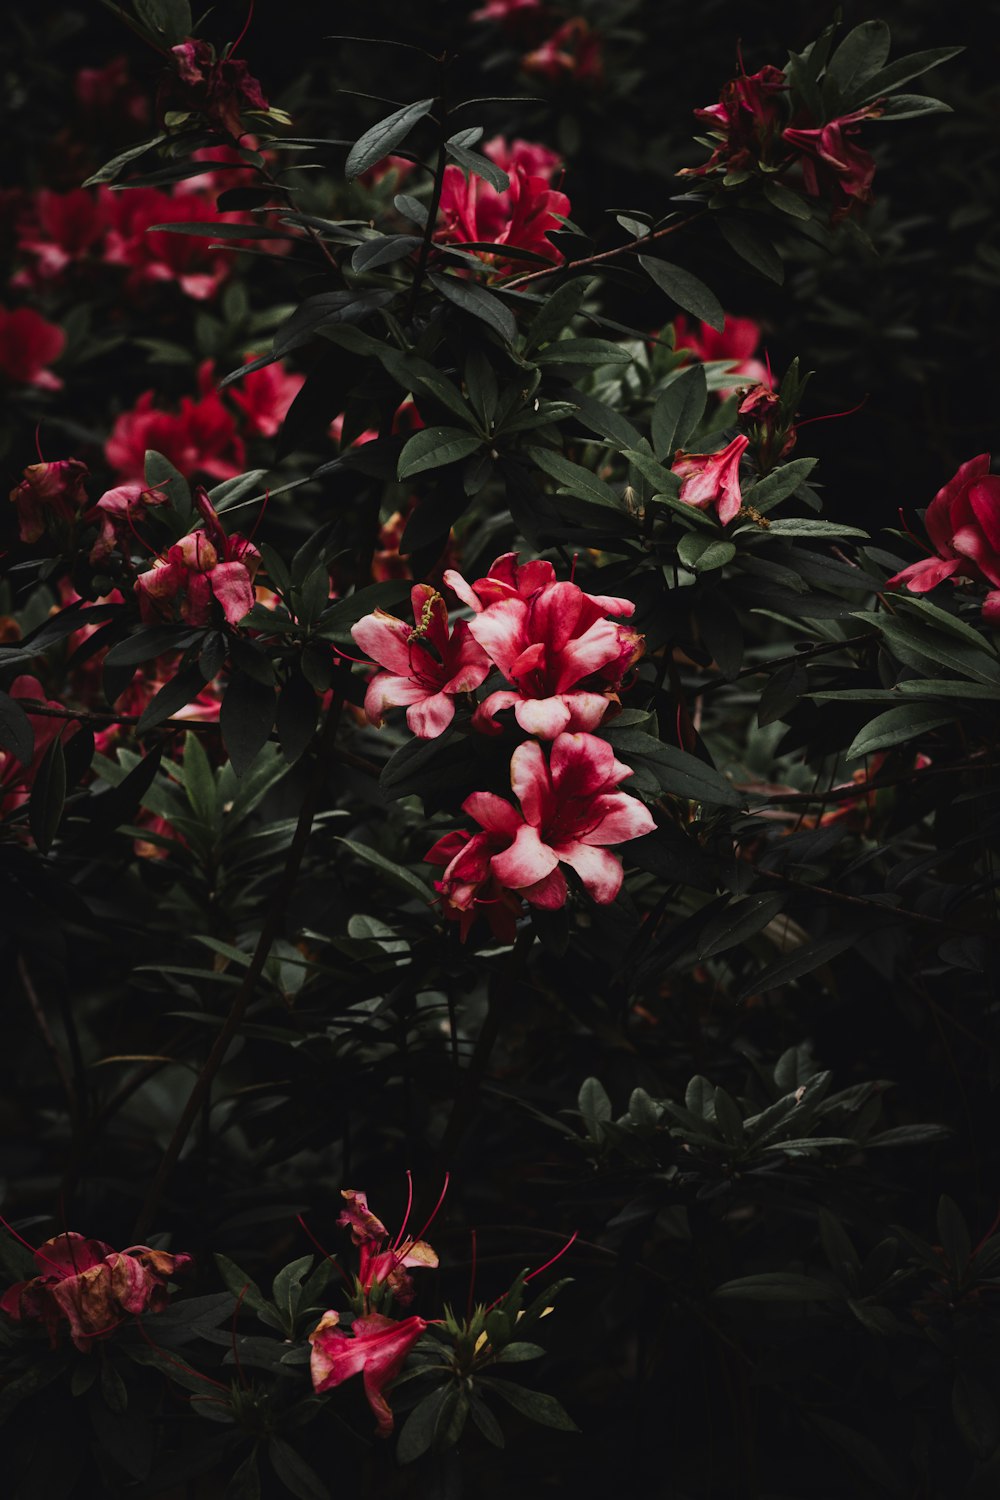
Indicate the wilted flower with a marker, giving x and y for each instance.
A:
(382, 1263)
(963, 523)
(220, 89)
(424, 667)
(49, 492)
(92, 1287)
(375, 1348)
(118, 512)
(28, 345)
(202, 566)
(833, 167)
(713, 478)
(748, 120)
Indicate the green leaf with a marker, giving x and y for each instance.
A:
(170, 19)
(246, 719)
(151, 641)
(574, 479)
(741, 920)
(397, 874)
(903, 69)
(702, 554)
(753, 247)
(804, 526)
(595, 1107)
(678, 410)
(48, 796)
(199, 780)
(535, 1405)
(777, 1286)
(910, 106)
(434, 448)
(766, 493)
(16, 733)
(518, 1353)
(223, 230)
(384, 137)
(583, 352)
(475, 162)
(784, 199)
(558, 311)
(383, 250)
(298, 1477)
(686, 290)
(897, 726)
(418, 1431)
(475, 299)
(112, 168)
(858, 58)
(242, 1286)
(676, 771)
(245, 1483)
(803, 960)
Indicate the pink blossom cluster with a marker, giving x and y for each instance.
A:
(748, 124)
(522, 216)
(572, 52)
(963, 523)
(565, 659)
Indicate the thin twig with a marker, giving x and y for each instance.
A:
(591, 260)
(45, 1031)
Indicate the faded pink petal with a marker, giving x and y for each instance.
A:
(231, 585)
(492, 813)
(385, 639)
(526, 861)
(601, 873)
(430, 716)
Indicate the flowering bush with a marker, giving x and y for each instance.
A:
(447, 735)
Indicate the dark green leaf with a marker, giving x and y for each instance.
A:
(535, 1405)
(475, 299)
(112, 168)
(858, 58)
(897, 726)
(16, 733)
(678, 410)
(686, 290)
(595, 1107)
(434, 448)
(753, 247)
(246, 719)
(174, 695)
(298, 1477)
(778, 1286)
(384, 137)
(169, 19)
(473, 161)
(397, 874)
(802, 960)
(583, 352)
(417, 1433)
(741, 920)
(48, 796)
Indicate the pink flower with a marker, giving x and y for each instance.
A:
(468, 887)
(963, 523)
(186, 260)
(49, 492)
(573, 51)
(16, 779)
(376, 1348)
(220, 89)
(61, 231)
(28, 344)
(522, 216)
(713, 478)
(748, 117)
(736, 343)
(570, 812)
(118, 512)
(424, 667)
(108, 92)
(504, 11)
(382, 1263)
(91, 1287)
(264, 396)
(202, 566)
(832, 166)
(200, 438)
(564, 658)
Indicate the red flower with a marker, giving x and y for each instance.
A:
(963, 523)
(570, 811)
(832, 166)
(200, 438)
(564, 658)
(27, 345)
(504, 11)
(202, 566)
(49, 492)
(713, 478)
(425, 668)
(375, 1348)
(736, 343)
(159, 255)
(748, 118)
(573, 51)
(468, 887)
(522, 216)
(264, 396)
(60, 231)
(16, 779)
(91, 1287)
(108, 93)
(220, 89)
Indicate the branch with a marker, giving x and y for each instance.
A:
(592, 260)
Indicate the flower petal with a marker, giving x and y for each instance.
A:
(385, 639)
(618, 817)
(430, 715)
(493, 813)
(526, 862)
(600, 872)
(531, 783)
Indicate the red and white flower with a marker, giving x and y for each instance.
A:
(424, 667)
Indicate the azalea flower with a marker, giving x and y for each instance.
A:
(264, 396)
(17, 779)
(468, 887)
(425, 668)
(736, 343)
(152, 255)
(383, 1263)
(202, 566)
(199, 438)
(28, 345)
(574, 51)
(219, 88)
(523, 215)
(49, 492)
(963, 523)
(564, 658)
(109, 93)
(504, 10)
(570, 811)
(92, 1287)
(713, 478)
(832, 165)
(61, 230)
(748, 118)
(375, 1348)
(118, 512)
